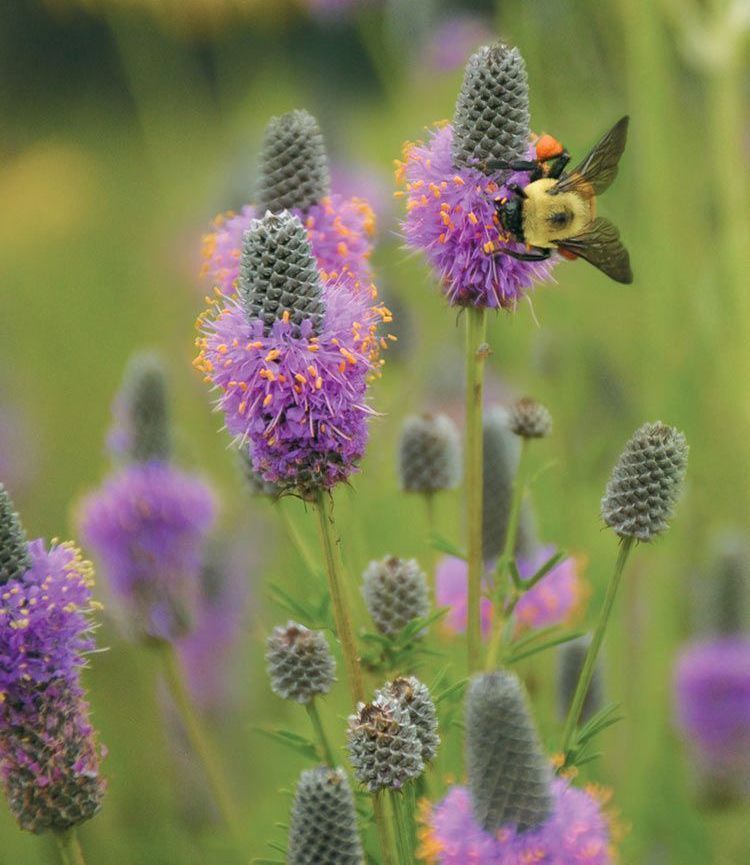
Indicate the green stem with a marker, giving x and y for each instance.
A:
(403, 845)
(503, 612)
(341, 615)
(429, 503)
(312, 711)
(381, 826)
(197, 738)
(476, 325)
(69, 847)
(587, 672)
(296, 538)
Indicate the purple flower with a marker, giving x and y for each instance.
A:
(453, 39)
(363, 180)
(712, 692)
(551, 601)
(208, 650)
(49, 757)
(299, 400)
(147, 526)
(576, 833)
(451, 217)
(334, 8)
(340, 231)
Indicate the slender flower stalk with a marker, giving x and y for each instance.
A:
(344, 630)
(381, 827)
(199, 741)
(69, 847)
(476, 352)
(401, 827)
(317, 724)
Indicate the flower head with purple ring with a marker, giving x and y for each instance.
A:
(578, 832)
(712, 694)
(147, 526)
(451, 217)
(340, 231)
(49, 756)
(293, 387)
(554, 599)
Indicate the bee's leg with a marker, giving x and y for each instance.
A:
(517, 190)
(513, 165)
(559, 166)
(538, 254)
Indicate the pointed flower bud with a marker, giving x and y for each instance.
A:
(384, 747)
(414, 696)
(49, 755)
(500, 459)
(570, 659)
(299, 661)
(141, 431)
(529, 419)
(509, 776)
(429, 454)
(323, 826)
(646, 482)
(279, 279)
(492, 112)
(14, 553)
(293, 170)
(395, 592)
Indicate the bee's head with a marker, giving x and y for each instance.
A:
(510, 214)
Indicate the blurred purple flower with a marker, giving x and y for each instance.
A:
(577, 833)
(147, 526)
(335, 8)
(553, 600)
(361, 180)
(340, 231)
(49, 757)
(454, 39)
(450, 216)
(712, 694)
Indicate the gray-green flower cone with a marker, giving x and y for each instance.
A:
(384, 746)
(395, 593)
(293, 170)
(299, 662)
(323, 826)
(145, 401)
(646, 482)
(491, 120)
(278, 273)
(509, 775)
(14, 553)
(415, 697)
(529, 419)
(429, 456)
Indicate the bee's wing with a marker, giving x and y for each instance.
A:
(599, 168)
(600, 245)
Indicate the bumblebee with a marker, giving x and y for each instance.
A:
(557, 210)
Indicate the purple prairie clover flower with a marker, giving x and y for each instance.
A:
(453, 39)
(578, 832)
(292, 371)
(712, 694)
(147, 526)
(49, 756)
(553, 600)
(451, 217)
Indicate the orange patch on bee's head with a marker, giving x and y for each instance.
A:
(548, 147)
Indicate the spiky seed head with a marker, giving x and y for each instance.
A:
(491, 120)
(383, 744)
(278, 274)
(293, 170)
(255, 483)
(323, 825)
(529, 419)
(570, 660)
(728, 607)
(414, 696)
(146, 404)
(299, 662)
(500, 462)
(395, 592)
(646, 482)
(14, 550)
(429, 454)
(509, 775)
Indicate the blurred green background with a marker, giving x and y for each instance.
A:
(127, 125)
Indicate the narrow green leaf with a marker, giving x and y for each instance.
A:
(515, 657)
(442, 544)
